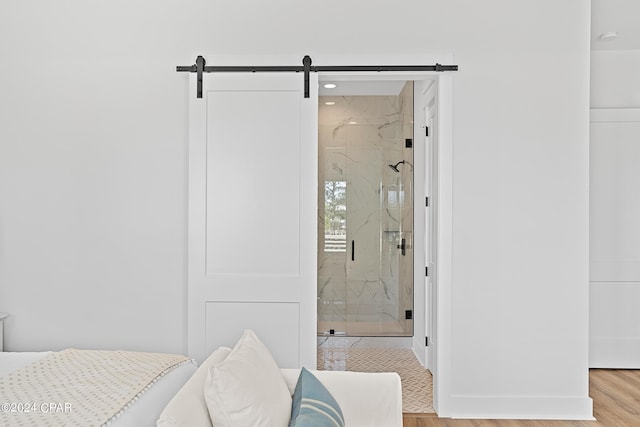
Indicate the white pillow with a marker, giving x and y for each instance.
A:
(188, 407)
(247, 388)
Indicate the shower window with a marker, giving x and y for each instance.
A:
(335, 216)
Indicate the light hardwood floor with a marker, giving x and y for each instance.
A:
(616, 403)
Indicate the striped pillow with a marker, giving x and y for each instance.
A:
(313, 405)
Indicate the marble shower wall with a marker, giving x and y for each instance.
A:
(359, 137)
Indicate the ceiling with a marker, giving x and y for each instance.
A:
(615, 16)
(362, 88)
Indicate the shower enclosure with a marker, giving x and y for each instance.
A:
(365, 227)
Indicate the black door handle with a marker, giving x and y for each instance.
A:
(403, 247)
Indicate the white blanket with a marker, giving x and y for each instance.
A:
(87, 388)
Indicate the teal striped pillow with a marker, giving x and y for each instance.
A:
(313, 405)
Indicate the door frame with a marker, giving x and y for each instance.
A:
(440, 304)
(425, 218)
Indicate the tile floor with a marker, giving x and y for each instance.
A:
(417, 383)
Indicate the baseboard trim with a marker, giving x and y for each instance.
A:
(525, 408)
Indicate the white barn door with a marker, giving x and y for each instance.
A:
(252, 214)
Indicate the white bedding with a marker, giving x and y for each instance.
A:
(144, 412)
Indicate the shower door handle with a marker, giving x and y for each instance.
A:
(403, 247)
(353, 250)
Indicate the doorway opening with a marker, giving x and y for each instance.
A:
(377, 175)
(365, 209)
(378, 143)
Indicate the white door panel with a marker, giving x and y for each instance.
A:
(275, 331)
(253, 190)
(252, 214)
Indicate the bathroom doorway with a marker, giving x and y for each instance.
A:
(342, 340)
(365, 209)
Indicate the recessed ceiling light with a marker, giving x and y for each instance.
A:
(606, 37)
(330, 86)
(329, 103)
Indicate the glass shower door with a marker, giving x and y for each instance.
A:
(332, 240)
(365, 256)
(365, 293)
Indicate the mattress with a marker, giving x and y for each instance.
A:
(144, 411)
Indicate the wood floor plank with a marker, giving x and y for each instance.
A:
(621, 386)
(614, 399)
(409, 422)
(629, 375)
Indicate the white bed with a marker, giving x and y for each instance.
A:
(144, 411)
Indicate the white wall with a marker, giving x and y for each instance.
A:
(92, 162)
(519, 291)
